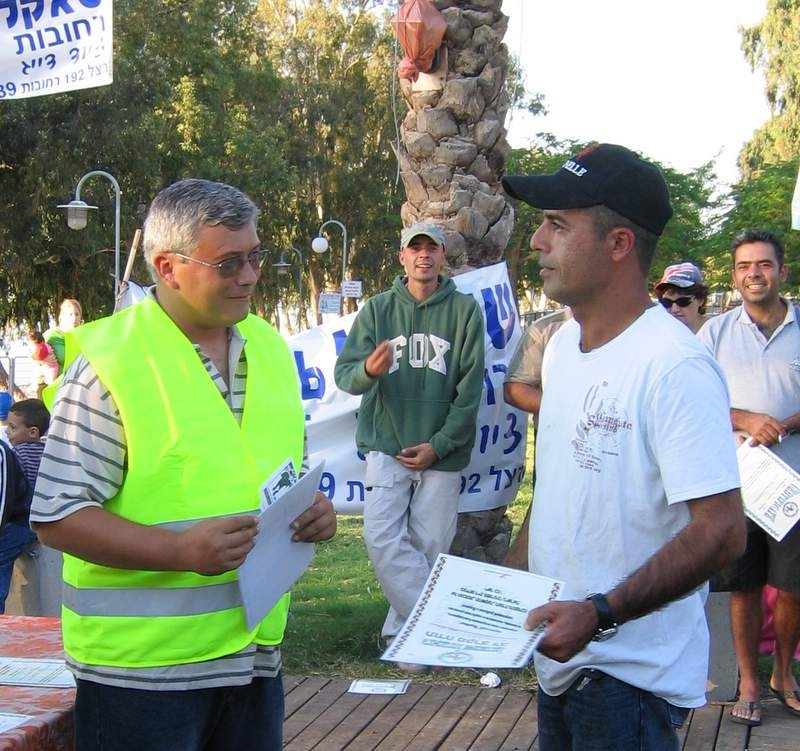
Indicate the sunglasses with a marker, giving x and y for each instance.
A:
(231, 267)
(681, 302)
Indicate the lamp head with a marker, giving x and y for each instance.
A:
(77, 213)
(281, 267)
(319, 245)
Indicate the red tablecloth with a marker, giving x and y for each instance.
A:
(51, 708)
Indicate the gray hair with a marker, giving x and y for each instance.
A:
(179, 212)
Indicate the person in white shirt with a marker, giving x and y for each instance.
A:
(758, 347)
(637, 496)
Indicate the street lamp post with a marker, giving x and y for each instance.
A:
(282, 267)
(77, 212)
(320, 244)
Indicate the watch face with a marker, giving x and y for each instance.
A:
(605, 633)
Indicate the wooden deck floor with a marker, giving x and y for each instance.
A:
(321, 714)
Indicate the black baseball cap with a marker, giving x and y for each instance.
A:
(603, 174)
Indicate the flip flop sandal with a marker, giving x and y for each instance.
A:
(783, 695)
(750, 707)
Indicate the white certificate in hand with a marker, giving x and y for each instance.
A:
(276, 561)
(770, 489)
(471, 615)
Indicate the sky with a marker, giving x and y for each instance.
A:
(667, 79)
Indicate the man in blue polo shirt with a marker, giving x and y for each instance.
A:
(758, 347)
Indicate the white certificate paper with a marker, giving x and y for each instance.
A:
(28, 671)
(471, 615)
(9, 720)
(367, 686)
(770, 489)
(276, 562)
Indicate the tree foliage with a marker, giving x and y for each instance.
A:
(773, 45)
(192, 97)
(762, 201)
(769, 161)
(336, 61)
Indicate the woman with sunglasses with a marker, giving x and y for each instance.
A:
(682, 292)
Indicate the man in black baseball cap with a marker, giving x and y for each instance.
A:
(637, 498)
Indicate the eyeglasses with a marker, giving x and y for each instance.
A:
(231, 267)
(681, 302)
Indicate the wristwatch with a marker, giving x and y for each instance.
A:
(606, 623)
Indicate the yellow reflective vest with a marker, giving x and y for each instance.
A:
(187, 460)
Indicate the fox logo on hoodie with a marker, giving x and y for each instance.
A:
(424, 351)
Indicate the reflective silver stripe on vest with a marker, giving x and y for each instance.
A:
(152, 602)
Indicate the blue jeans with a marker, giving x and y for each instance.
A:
(601, 713)
(240, 718)
(14, 539)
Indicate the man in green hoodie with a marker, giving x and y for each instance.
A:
(415, 353)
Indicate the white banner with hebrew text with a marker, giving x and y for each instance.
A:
(52, 46)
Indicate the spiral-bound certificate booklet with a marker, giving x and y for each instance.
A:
(471, 615)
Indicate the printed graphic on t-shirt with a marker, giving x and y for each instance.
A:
(599, 430)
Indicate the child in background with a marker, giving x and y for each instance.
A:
(43, 354)
(28, 421)
(70, 315)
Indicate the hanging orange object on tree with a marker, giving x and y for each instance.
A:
(420, 28)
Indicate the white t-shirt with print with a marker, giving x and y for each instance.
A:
(627, 433)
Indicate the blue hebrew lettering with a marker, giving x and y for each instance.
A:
(339, 338)
(355, 487)
(29, 16)
(18, 39)
(76, 30)
(500, 314)
(13, 13)
(312, 381)
(513, 433)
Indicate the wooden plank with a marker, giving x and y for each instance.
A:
(302, 693)
(702, 731)
(522, 736)
(383, 723)
(472, 725)
(323, 727)
(313, 708)
(779, 731)
(497, 729)
(354, 723)
(438, 728)
(731, 736)
(290, 682)
(402, 735)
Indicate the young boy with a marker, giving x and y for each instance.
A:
(28, 421)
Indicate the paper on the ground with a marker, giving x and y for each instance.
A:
(366, 686)
(471, 614)
(9, 720)
(770, 489)
(27, 671)
(276, 561)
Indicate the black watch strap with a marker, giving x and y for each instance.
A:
(605, 618)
